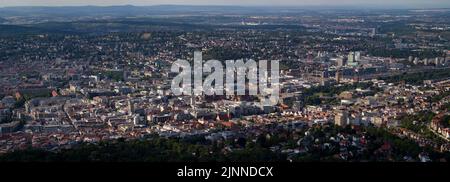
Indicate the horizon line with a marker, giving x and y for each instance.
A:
(368, 6)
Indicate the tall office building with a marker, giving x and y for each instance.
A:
(130, 107)
(357, 56)
(351, 57)
(341, 118)
(373, 32)
(338, 76)
(339, 62)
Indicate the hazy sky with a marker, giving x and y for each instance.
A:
(384, 3)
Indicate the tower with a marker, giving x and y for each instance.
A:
(351, 58)
(339, 62)
(357, 56)
(373, 32)
(130, 107)
(341, 118)
(338, 76)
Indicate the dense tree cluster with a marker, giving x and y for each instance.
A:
(418, 78)
(256, 148)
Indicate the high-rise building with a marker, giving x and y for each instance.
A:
(323, 78)
(357, 56)
(373, 32)
(410, 59)
(351, 58)
(130, 107)
(339, 62)
(341, 118)
(338, 76)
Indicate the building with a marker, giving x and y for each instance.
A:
(378, 121)
(9, 127)
(340, 62)
(161, 118)
(373, 32)
(138, 120)
(341, 118)
(351, 58)
(357, 56)
(410, 59)
(130, 107)
(338, 76)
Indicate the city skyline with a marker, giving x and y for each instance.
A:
(225, 84)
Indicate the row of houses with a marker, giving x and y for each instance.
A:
(438, 126)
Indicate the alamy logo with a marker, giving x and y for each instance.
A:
(240, 77)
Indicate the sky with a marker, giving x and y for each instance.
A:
(382, 3)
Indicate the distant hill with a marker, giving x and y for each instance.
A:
(71, 11)
(6, 30)
(13, 29)
(129, 10)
